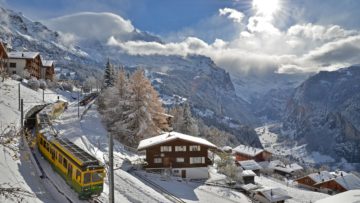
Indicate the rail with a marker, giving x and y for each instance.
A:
(158, 188)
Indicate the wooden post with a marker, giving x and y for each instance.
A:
(19, 97)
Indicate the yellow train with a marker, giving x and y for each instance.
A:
(82, 171)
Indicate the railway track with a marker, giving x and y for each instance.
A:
(158, 188)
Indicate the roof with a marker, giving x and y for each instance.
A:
(289, 168)
(248, 173)
(249, 165)
(249, 187)
(274, 195)
(248, 150)
(166, 137)
(23, 55)
(349, 181)
(321, 176)
(47, 63)
(350, 196)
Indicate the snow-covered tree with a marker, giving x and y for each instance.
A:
(132, 109)
(183, 120)
(226, 165)
(109, 75)
(34, 84)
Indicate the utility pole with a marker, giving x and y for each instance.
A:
(22, 115)
(111, 169)
(19, 97)
(78, 104)
(43, 95)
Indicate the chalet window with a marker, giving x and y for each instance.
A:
(180, 159)
(165, 148)
(176, 171)
(180, 148)
(197, 160)
(157, 160)
(14, 72)
(194, 148)
(12, 65)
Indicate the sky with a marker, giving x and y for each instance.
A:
(287, 36)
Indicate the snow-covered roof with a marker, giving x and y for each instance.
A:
(226, 148)
(248, 173)
(288, 168)
(247, 150)
(249, 187)
(275, 195)
(321, 176)
(23, 55)
(250, 165)
(47, 63)
(166, 137)
(348, 196)
(349, 181)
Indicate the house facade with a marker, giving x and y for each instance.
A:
(243, 153)
(310, 181)
(25, 64)
(47, 70)
(339, 184)
(184, 155)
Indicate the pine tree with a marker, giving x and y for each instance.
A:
(109, 75)
(189, 124)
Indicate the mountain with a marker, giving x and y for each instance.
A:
(324, 113)
(197, 78)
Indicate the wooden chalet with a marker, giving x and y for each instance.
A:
(3, 57)
(248, 177)
(243, 152)
(47, 70)
(312, 179)
(186, 156)
(20, 61)
(342, 183)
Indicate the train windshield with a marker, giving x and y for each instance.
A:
(96, 176)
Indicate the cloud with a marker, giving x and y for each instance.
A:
(90, 25)
(232, 14)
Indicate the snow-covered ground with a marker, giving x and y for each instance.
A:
(18, 175)
(298, 195)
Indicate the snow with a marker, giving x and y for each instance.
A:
(321, 176)
(248, 150)
(249, 165)
(166, 137)
(297, 194)
(47, 63)
(23, 55)
(274, 194)
(16, 168)
(248, 173)
(351, 196)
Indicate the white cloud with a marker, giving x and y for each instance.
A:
(232, 14)
(90, 25)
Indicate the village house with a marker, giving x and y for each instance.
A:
(243, 152)
(274, 195)
(21, 62)
(279, 167)
(341, 183)
(47, 70)
(248, 177)
(250, 165)
(184, 155)
(312, 179)
(3, 57)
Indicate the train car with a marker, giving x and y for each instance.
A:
(82, 171)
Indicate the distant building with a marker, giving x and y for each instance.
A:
(48, 70)
(248, 176)
(186, 156)
(342, 183)
(19, 62)
(312, 179)
(275, 195)
(243, 152)
(250, 165)
(3, 57)
(279, 167)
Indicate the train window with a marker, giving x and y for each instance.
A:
(96, 176)
(87, 178)
(60, 158)
(65, 163)
(78, 175)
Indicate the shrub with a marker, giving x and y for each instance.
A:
(42, 84)
(16, 77)
(34, 84)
